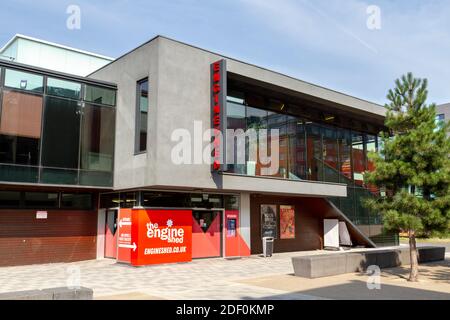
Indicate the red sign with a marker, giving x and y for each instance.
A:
(125, 244)
(218, 113)
(161, 236)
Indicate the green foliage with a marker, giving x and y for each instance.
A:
(413, 165)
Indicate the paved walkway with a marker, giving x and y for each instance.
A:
(248, 278)
(200, 279)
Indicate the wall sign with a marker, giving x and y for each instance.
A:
(125, 244)
(41, 215)
(218, 114)
(161, 236)
(268, 220)
(287, 222)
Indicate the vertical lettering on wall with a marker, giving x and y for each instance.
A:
(218, 114)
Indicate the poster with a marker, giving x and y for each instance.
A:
(287, 222)
(268, 220)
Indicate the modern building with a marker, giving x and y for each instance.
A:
(52, 56)
(78, 155)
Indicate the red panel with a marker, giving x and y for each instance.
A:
(206, 244)
(124, 241)
(235, 245)
(161, 236)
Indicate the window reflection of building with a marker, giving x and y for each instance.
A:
(308, 150)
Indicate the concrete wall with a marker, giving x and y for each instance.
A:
(179, 77)
(134, 170)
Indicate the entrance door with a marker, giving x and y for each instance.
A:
(206, 234)
(111, 234)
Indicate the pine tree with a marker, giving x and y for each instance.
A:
(413, 166)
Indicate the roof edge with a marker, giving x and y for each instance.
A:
(54, 44)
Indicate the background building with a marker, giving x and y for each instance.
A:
(443, 112)
(52, 56)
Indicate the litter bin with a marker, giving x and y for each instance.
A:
(267, 246)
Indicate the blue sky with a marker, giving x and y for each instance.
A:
(325, 42)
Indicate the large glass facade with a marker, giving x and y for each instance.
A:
(52, 133)
(309, 150)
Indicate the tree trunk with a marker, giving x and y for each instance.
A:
(414, 274)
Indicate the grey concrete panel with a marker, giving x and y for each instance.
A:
(339, 263)
(26, 295)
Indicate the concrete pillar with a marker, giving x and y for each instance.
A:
(245, 218)
(101, 234)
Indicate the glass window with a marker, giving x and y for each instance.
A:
(128, 199)
(97, 145)
(277, 121)
(345, 160)
(314, 152)
(165, 199)
(297, 149)
(142, 116)
(63, 88)
(236, 144)
(9, 199)
(358, 155)
(371, 146)
(109, 200)
(100, 95)
(21, 115)
(81, 201)
(231, 202)
(256, 120)
(19, 150)
(61, 133)
(330, 155)
(24, 81)
(41, 200)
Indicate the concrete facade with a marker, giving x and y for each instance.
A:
(179, 77)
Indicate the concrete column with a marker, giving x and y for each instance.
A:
(245, 218)
(101, 234)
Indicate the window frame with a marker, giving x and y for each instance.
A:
(137, 140)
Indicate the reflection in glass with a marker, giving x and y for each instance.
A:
(297, 149)
(41, 200)
(358, 158)
(100, 95)
(9, 199)
(315, 152)
(21, 115)
(236, 121)
(142, 116)
(330, 154)
(256, 120)
(24, 81)
(345, 160)
(97, 144)
(63, 88)
(81, 201)
(61, 133)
